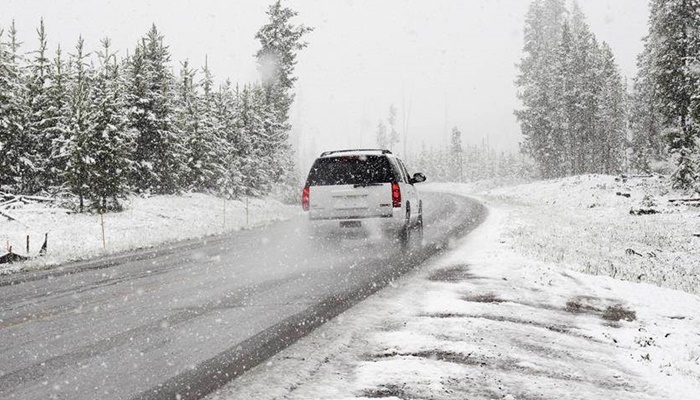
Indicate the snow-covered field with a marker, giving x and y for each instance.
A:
(587, 223)
(145, 222)
(509, 314)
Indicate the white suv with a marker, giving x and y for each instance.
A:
(367, 190)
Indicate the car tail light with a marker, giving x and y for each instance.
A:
(396, 194)
(305, 198)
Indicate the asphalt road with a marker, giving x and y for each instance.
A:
(181, 321)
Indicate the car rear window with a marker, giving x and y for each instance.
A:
(350, 170)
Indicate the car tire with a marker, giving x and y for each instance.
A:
(418, 231)
(405, 233)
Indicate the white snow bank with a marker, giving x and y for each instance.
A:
(486, 322)
(145, 222)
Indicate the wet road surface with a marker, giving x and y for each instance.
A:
(182, 321)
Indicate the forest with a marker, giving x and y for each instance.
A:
(579, 117)
(94, 127)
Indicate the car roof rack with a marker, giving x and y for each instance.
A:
(327, 153)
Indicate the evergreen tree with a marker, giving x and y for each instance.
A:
(57, 117)
(188, 122)
(583, 100)
(80, 126)
(254, 162)
(16, 167)
(110, 141)
(645, 119)
(610, 118)
(572, 94)
(39, 118)
(280, 40)
(226, 112)
(158, 149)
(676, 40)
(543, 31)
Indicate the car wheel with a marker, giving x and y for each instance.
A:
(405, 233)
(418, 234)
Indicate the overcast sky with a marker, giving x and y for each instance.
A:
(441, 63)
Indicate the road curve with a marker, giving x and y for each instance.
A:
(180, 322)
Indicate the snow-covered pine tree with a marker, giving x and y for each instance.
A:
(57, 115)
(675, 38)
(254, 162)
(536, 88)
(188, 122)
(80, 125)
(610, 116)
(226, 112)
(40, 120)
(158, 153)
(644, 117)
(564, 145)
(110, 141)
(585, 70)
(213, 129)
(16, 166)
(280, 41)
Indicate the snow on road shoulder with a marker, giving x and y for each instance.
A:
(486, 322)
(145, 222)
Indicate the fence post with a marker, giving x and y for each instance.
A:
(102, 224)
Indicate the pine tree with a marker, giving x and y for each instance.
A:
(676, 41)
(254, 163)
(188, 123)
(610, 118)
(158, 153)
(226, 112)
(585, 70)
(645, 119)
(41, 118)
(280, 41)
(570, 89)
(57, 116)
(110, 141)
(543, 31)
(16, 166)
(79, 126)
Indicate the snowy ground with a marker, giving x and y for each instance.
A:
(586, 223)
(505, 314)
(145, 222)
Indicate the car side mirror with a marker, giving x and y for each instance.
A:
(418, 178)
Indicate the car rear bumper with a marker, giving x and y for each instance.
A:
(368, 226)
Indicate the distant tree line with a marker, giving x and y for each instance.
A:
(573, 116)
(665, 106)
(458, 162)
(98, 128)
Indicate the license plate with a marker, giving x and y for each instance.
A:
(350, 224)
